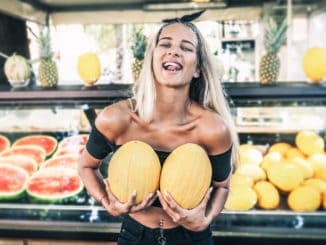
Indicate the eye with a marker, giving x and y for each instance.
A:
(164, 45)
(187, 49)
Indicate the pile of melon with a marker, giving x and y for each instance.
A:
(283, 177)
(40, 168)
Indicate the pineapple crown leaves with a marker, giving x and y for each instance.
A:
(45, 43)
(275, 35)
(139, 43)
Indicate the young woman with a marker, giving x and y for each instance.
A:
(178, 99)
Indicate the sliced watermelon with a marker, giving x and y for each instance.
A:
(79, 139)
(48, 143)
(54, 184)
(4, 143)
(73, 149)
(68, 161)
(13, 182)
(33, 151)
(25, 162)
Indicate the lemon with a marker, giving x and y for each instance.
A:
(314, 63)
(268, 195)
(304, 198)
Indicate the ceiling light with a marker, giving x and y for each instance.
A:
(183, 6)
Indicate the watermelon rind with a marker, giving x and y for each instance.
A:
(13, 195)
(48, 143)
(49, 178)
(67, 161)
(27, 163)
(33, 151)
(4, 143)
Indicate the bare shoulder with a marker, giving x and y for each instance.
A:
(214, 134)
(114, 119)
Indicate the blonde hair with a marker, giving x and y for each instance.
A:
(205, 90)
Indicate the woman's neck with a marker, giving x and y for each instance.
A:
(172, 106)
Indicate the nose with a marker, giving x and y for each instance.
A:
(174, 51)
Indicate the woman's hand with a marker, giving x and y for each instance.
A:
(194, 219)
(116, 208)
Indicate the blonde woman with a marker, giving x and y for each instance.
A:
(177, 99)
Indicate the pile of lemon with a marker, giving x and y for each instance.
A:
(296, 174)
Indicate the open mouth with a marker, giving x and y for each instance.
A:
(172, 66)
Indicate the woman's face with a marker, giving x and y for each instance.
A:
(175, 56)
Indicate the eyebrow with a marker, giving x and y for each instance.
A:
(183, 40)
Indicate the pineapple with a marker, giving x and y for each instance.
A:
(48, 71)
(138, 50)
(269, 66)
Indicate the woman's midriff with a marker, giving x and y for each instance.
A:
(154, 217)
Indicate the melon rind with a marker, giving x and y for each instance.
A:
(36, 152)
(6, 141)
(39, 140)
(5, 196)
(55, 198)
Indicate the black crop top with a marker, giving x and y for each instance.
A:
(99, 147)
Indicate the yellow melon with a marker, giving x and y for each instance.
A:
(89, 68)
(304, 166)
(294, 152)
(251, 170)
(250, 156)
(285, 177)
(314, 63)
(318, 184)
(186, 175)
(241, 180)
(270, 158)
(268, 195)
(281, 147)
(134, 167)
(304, 198)
(323, 196)
(317, 161)
(321, 173)
(309, 142)
(241, 198)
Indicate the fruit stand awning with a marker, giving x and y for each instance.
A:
(126, 11)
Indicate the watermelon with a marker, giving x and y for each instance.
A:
(73, 149)
(33, 151)
(78, 139)
(13, 182)
(25, 162)
(48, 143)
(69, 161)
(54, 184)
(4, 143)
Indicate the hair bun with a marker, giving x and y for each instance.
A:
(185, 18)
